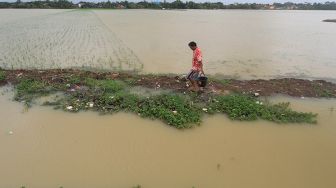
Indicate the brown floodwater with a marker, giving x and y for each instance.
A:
(44, 148)
(236, 43)
(246, 44)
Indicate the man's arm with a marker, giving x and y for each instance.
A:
(202, 71)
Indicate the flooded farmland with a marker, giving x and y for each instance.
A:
(241, 44)
(42, 147)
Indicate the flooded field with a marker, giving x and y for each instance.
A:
(48, 148)
(43, 148)
(236, 43)
(63, 40)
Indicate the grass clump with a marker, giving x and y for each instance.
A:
(241, 107)
(27, 89)
(172, 109)
(2, 76)
(175, 110)
(224, 82)
(105, 85)
(322, 92)
(75, 79)
(115, 102)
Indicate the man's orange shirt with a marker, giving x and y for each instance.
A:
(197, 60)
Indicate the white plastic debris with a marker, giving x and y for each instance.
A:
(256, 94)
(111, 97)
(258, 102)
(91, 104)
(175, 112)
(69, 107)
(302, 97)
(68, 85)
(187, 84)
(205, 109)
(10, 132)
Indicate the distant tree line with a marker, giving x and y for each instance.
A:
(57, 4)
(178, 4)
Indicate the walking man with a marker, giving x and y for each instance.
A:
(197, 67)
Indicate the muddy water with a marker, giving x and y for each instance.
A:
(48, 148)
(236, 43)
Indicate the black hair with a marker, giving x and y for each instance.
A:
(192, 43)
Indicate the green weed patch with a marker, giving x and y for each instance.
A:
(179, 111)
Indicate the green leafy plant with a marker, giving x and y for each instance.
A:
(173, 109)
(180, 111)
(105, 85)
(241, 107)
(27, 89)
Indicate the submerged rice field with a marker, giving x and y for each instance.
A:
(66, 39)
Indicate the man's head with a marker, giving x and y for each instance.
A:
(192, 45)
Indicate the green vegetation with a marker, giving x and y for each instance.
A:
(28, 89)
(2, 76)
(224, 82)
(173, 109)
(105, 85)
(241, 107)
(110, 96)
(322, 92)
(180, 111)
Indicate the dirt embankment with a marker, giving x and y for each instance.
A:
(287, 86)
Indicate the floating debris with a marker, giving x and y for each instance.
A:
(90, 104)
(258, 102)
(256, 94)
(69, 107)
